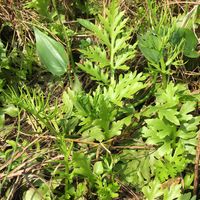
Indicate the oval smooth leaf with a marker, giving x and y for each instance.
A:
(98, 168)
(51, 53)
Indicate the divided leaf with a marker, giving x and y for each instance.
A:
(127, 86)
(102, 35)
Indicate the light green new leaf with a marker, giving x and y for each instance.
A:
(170, 115)
(173, 192)
(32, 194)
(187, 107)
(152, 190)
(128, 85)
(98, 168)
(11, 110)
(67, 104)
(95, 133)
(51, 53)
(42, 193)
(115, 129)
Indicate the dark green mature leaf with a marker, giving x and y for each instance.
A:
(190, 44)
(51, 53)
(151, 47)
(190, 41)
(187, 196)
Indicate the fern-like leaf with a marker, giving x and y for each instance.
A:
(96, 54)
(94, 72)
(128, 85)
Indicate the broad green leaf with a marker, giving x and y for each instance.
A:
(115, 129)
(187, 196)
(11, 110)
(145, 169)
(190, 44)
(188, 179)
(51, 53)
(192, 124)
(189, 19)
(190, 41)
(187, 107)
(32, 194)
(42, 193)
(98, 168)
(82, 166)
(165, 148)
(12, 143)
(95, 133)
(150, 46)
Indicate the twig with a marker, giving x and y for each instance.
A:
(184, 2)
(134, 147)
(19, 172)
(18, 155)
(196, 167)
(66, 139)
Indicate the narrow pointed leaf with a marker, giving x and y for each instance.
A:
(51, 53)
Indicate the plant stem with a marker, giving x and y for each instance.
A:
(112, 57)
(66, 151)
(164, 80)
(68, 43)
(163, 72)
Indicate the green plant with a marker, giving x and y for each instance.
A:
(113, 50)
(172, 119)
(163, 44)
(160, 53)
(42, 7)
(173, 129)
(127, 132)
(101, 112)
